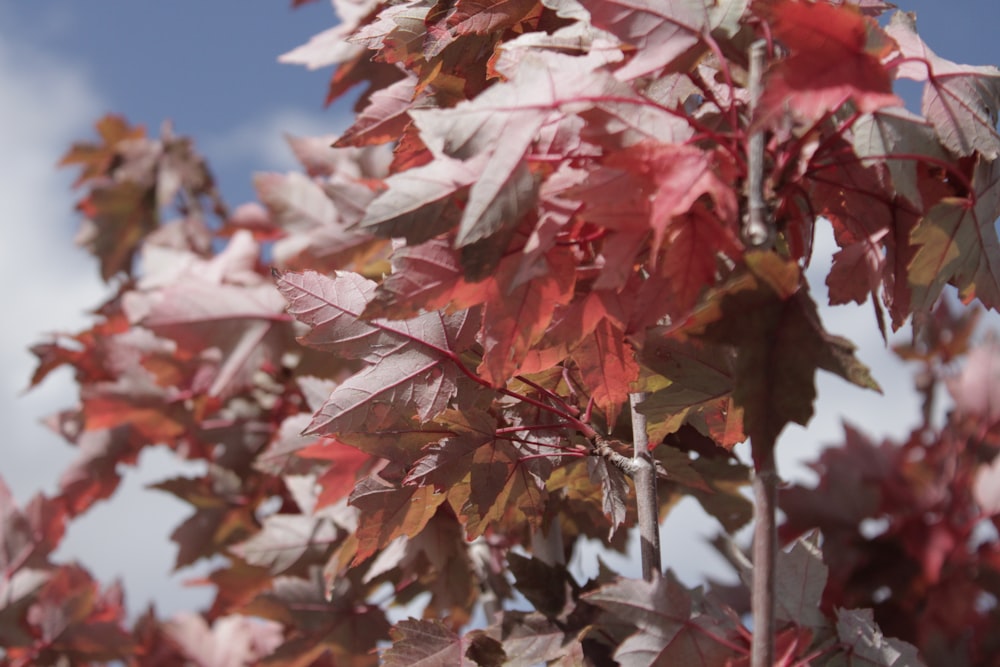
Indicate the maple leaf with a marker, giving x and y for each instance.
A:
(958, 244)
(670, 630)
(419, 203)
(492, 133)
(427, 276)
(18, 589)
(222, 303)
(117, 219)
(773, 387)
(72, 617)
(834, 57)
(960, 101)
(342, 626)
(316, 231)
(425, 644)
(614, 490)
(877, 136)
(483, 475)
(476, 17)
(974, 389)
(390, 511)
(549, 588)
(857, 270)
(28, 536)
(385, 117)
(286, 540)
(331, 46)
(700, 386)
(97, 160)
(231, 641)
(338, 479)
(865, 644)
(94, 475)
(498, 487)
(607, 366)
(657, 33)
(849, 490)
(280, 455)
(411, 363)
(680, 175)
(515, 319)
(222, 515)
(799, 582)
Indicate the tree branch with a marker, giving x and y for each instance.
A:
(644, 478)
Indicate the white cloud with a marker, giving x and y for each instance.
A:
(48, 284)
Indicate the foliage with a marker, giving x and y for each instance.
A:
(408, 368)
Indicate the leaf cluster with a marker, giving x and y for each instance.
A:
(408, 367)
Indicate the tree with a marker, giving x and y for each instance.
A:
(540, 288)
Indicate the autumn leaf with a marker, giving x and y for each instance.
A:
(700, 382)
(424, 643)
(608, 367)
(958, 244)
(384, 118)
(514, 319)
(73, 617)
(960, 101)
(411, 363)
(390, 511)
(339, 478)
(877, 136)
(780, 344)
(656, 33)
(476, 17)
(867, 646)
(834, 56)
(420, 203)
(28, 536)
(669, 630)
(338, 625)
(286, 539)
(230, 640)
(98, 159)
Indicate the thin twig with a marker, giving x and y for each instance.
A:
(757, 231)
(644, 478)
(765, 548)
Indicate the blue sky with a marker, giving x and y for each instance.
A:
(211, 67)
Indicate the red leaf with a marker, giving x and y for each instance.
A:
(699, 391)
(286, 539)
(389, 512)
(476, 17)
(780, 343)
(834, 57)
(960, 101)
(515, 319)
(231, 640)
(28, 537)
(419, 203)
(958, 244)
(384, 118)
(668, 632)
(608, 367)
(223, 303)
(345, 463)
(423, 643)
(411, 363)
(657, 32)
